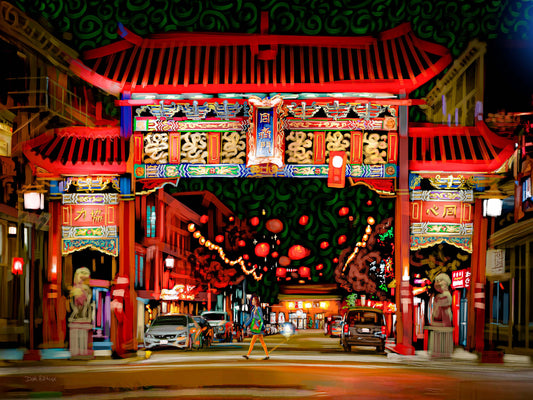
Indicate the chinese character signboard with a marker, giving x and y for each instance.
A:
(89, 220)
(179, 292)
(495, 262)
(265, 142)
(442, 216)
(461, 279)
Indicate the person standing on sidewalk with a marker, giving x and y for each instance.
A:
(257, 327)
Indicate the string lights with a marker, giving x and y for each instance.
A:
(371, 221)
(222, 254)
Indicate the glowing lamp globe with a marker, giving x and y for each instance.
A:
(335, 260)
(319, 267)
(254, 221)
(305, 272)
(297, 252)
(281, 272)
(204, 219)
(304, 219)
(284, 261)
(274, 225)
(343, 211)
(341, 239)
(191, 227)
(324, 245)
(262, 249)
(275, 254)
(219, 238)
(246, 257)
(241, 243)
(371, 221)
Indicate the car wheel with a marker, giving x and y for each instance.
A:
(379, 349)
(347, 347)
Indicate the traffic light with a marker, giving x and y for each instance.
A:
(337, 169)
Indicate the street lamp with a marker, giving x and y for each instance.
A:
(169, 262)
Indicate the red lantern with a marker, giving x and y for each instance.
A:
(275, 254)
(262, 249)
(341, 239)
(324, 245)
(254, 221)
(246, 257)
(281, 272)
(274, 225)
(369, 203)
(219, 238)
(335, 260)
(344, 211)
(18, 266)
(265, 269)
(304, 219)
(241, 243)
(297, 252)
(231, 218)
(305, 272)
(319, 267)
(203, 219)
(284, 261)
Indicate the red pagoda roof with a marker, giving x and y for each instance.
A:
(79, 150)
(440, 148)
(395, 61)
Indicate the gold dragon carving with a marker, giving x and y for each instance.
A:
(233, 148)
(194, 148)
(300, 147)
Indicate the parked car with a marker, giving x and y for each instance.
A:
(336, 326)
(172, 330)
(206, 331)
(364, 326)
(222, 326)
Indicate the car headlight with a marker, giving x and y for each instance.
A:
(148, 336)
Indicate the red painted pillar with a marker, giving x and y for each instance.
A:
(476, 295)
(404, 296)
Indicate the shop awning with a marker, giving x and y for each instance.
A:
(79, 150)
(395, 61)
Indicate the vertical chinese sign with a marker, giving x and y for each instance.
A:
(442, 216)
(265, 140)
(89, 220)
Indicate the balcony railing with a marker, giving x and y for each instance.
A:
(44, 94)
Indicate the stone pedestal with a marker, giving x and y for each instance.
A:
(81, 339)
(440, 341)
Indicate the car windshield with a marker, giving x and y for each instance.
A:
(365, 318)
(170, 320)
(214, 316)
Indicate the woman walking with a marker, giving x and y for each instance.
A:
(257, 328)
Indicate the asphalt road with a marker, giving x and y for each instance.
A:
(307, 366)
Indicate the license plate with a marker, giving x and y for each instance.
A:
(365, 330)
(163, 341)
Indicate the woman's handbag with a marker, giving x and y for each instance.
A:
(257, 325)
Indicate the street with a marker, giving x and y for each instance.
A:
(308, 365)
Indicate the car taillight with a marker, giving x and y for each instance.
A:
(384, 330)
(346, 328)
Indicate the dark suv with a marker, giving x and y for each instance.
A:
(364, 326)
